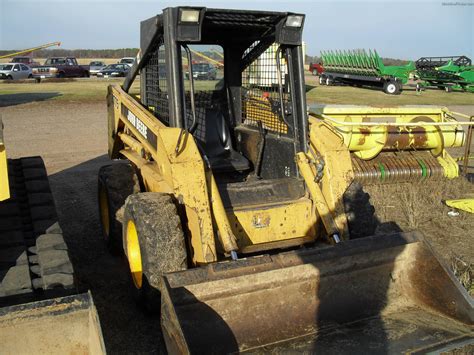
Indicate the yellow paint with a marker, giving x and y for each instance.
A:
(264, 224)
(337, 174)
(451, 168)
(324, 211)
(133, 254)
(465, 204)
(4, 185)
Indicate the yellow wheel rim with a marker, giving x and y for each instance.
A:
(104, 210)
(134, 255)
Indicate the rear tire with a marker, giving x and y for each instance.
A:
(115, 183)
(359, 211)
(155, 244)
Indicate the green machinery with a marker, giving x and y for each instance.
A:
(447, 73)
(361, 68)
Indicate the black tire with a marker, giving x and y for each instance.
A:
(161, 243)
(328, 81)
(359, 211)
(115, 183)
(392, 87)
(61, 75)
(9, 77)
(30, 76)
(38, 80)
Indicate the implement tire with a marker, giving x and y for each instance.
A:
(155, 245)
(115, 183)
(392, 87)
(359, 211)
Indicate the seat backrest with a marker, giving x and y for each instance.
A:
(216, 134)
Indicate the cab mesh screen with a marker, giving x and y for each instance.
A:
(260, 97)
(156, 90)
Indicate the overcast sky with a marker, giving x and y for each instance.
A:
(397, 29)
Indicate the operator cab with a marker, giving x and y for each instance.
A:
(248, 118)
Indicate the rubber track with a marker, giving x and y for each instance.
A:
(33, 254)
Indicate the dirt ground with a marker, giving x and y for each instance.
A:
(72, 139)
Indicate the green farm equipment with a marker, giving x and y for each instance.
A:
(359, 68)
(446, 73)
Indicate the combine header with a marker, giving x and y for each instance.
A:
(447, 73)
(357, 67)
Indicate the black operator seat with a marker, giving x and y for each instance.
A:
(218, 145)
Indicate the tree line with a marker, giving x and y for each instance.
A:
(80, 53)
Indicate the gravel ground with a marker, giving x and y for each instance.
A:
(72, 138)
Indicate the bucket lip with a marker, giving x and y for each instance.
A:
(53, 306)
(266, 262)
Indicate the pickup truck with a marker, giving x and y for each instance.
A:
(316, 68)
(60, 67)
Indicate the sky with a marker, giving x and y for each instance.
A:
(396, 29)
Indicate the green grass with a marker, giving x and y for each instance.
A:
(93, 90)
(362, 96)
(83, 90)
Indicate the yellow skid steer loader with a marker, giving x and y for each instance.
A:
(232, 206)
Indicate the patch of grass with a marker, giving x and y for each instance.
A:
(93, 89)
(78, 90)
(364, 96)
(464, 271)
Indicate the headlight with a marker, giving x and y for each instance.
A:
(115, 73)
(34, 70)
(294, 21)
(189, 15)
(53, 69)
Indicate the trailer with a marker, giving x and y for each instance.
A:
(361, 68)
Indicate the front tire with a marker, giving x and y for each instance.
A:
(115, 183)
(155, 245)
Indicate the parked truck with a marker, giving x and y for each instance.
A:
(60, 67)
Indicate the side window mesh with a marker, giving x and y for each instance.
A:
(156, 90)
(260, 97)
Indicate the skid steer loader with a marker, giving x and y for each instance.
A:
(41, 311)
(229, 203)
